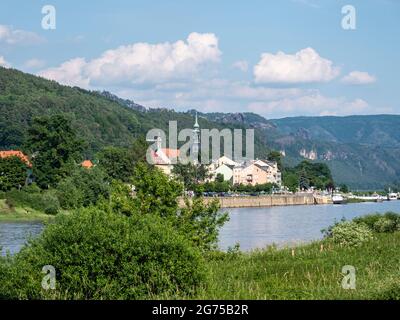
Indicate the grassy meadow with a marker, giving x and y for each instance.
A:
(307, 272)
(21, 214)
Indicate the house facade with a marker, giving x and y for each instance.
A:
(248, 173)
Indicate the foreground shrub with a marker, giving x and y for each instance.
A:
(350, 234)
(384, 225)
(388, 222)
(100, 255)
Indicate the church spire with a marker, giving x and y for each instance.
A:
(196, 141)
(196, 124)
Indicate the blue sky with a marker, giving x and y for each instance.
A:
(275, 58)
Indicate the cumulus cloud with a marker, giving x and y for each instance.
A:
(69, 72)
(34, 63)
(241, 65)
(358, 77)
(3, 62)
(304, 66)
(12, 36)
(141, 63)
(312, 105)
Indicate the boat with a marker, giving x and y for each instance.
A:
(392, 196)
(378, 197)
(338, 199)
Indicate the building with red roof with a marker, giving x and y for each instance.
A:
(15, 153)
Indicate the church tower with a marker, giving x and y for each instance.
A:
(196, 141)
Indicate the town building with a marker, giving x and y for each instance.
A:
(87, 164)
(165, 158)
(16, 153)
(250, 172)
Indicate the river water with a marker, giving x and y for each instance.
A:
(13, 235)
(250, 227)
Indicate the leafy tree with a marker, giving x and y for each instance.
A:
(219, 178)
(290, 179)
(55, 149)
(315, 175)
(157, 194)
(84, 187)
(304, 182)
(277, 157)
(201, 222)
(344, 188)
(139, 149)
(13, 173)
(117, 162)
(190, 174)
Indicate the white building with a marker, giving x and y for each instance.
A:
(249, 172)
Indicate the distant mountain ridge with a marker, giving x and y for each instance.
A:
(382, 130)
(362, 151)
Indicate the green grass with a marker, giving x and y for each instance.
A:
(21, 214)
(309, 274)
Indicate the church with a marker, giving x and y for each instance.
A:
(165, 158)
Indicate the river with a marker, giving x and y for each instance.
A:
(250, 227)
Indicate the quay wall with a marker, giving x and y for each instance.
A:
(267, 201)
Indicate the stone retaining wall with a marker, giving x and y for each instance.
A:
(266, 201)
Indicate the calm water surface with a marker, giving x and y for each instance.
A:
(13, 235)
(257, 227)
(250, 227)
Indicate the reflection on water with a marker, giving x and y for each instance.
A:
(250, 227)
(13, 235)
(257, 227)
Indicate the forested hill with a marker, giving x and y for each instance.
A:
(361, 151)
(101, 118)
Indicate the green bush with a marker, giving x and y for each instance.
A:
(384, 225)
(84, 187)
(102, 255)
(388, 222)
(350, 234)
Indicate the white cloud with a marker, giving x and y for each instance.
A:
(215, 95)
(141, 63)
(242, 65)
(34, 63)
(302, 67)
(358, 77)
(12, 36)
(69, 72)
(312, 105)
(3, 62)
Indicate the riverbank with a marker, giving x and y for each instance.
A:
(20, 214)
(307, 272)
